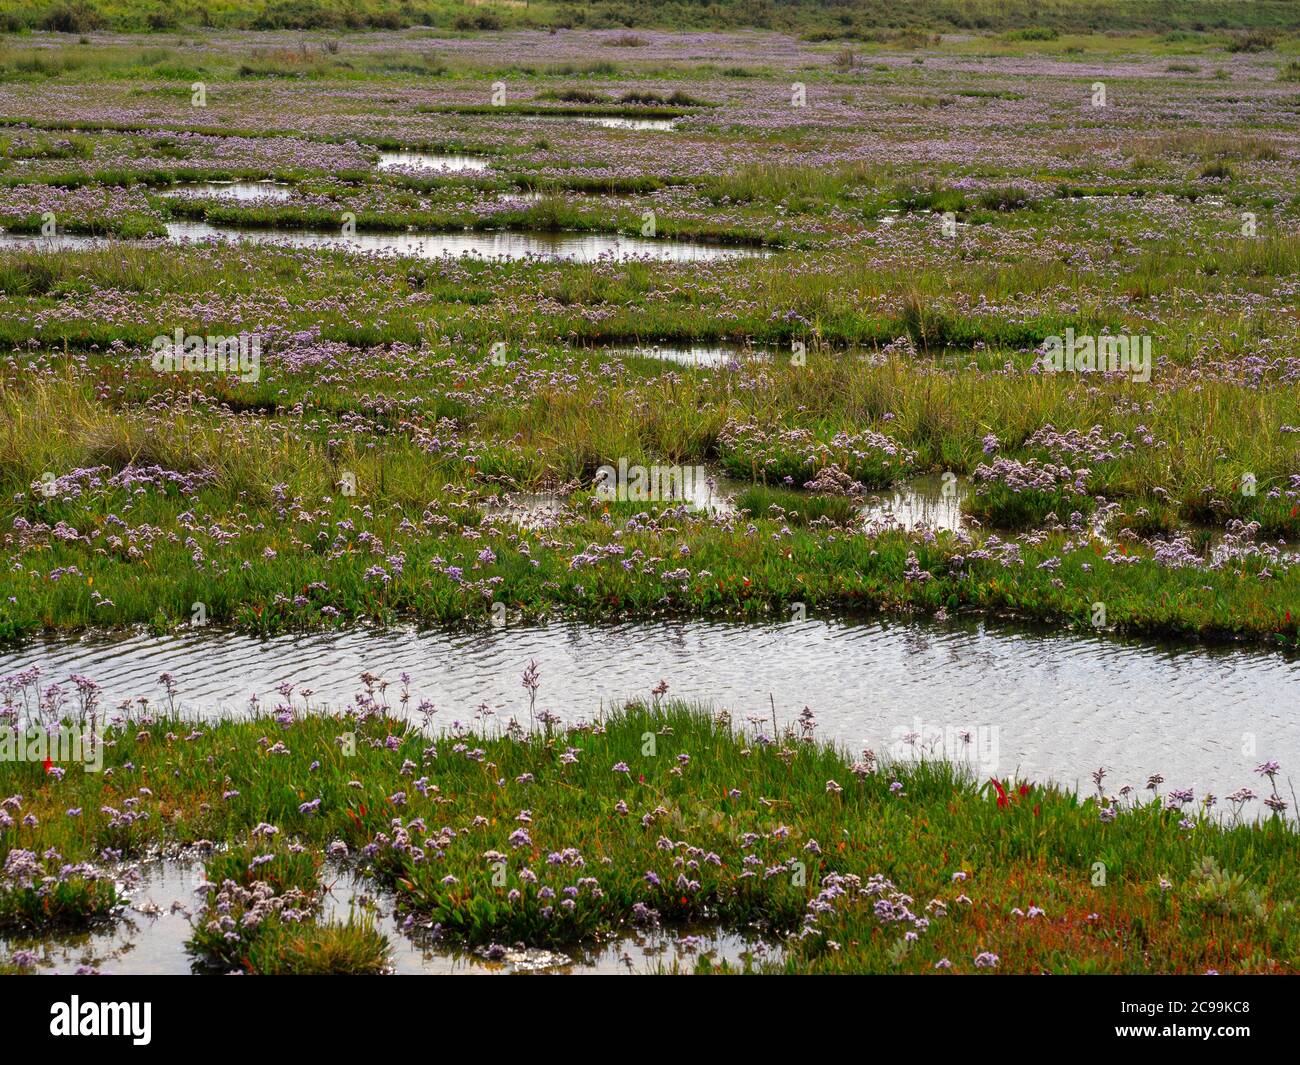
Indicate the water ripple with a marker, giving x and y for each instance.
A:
(1045, 706)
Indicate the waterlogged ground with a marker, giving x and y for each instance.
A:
(478, 269)
(800, 291)
(658, 836)
(159, 897)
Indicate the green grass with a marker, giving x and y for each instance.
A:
(258, 457)
(796, 508)
(919, 345)
(1021, 22)
(695, 807)
(358, 478)
(50, 899)
(998, 506)
(262, 916)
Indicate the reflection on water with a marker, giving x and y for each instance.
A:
(58, 242)
(579, 247)
(609, 121)
(232, 190)
(934, 501)
(148, 937)
(404, 160)
(513, 244)
(150, 934)
(1056, 706)
(712, 492)
(716, 353)
(595, 195)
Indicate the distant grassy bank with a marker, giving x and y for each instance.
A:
(860, 19)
